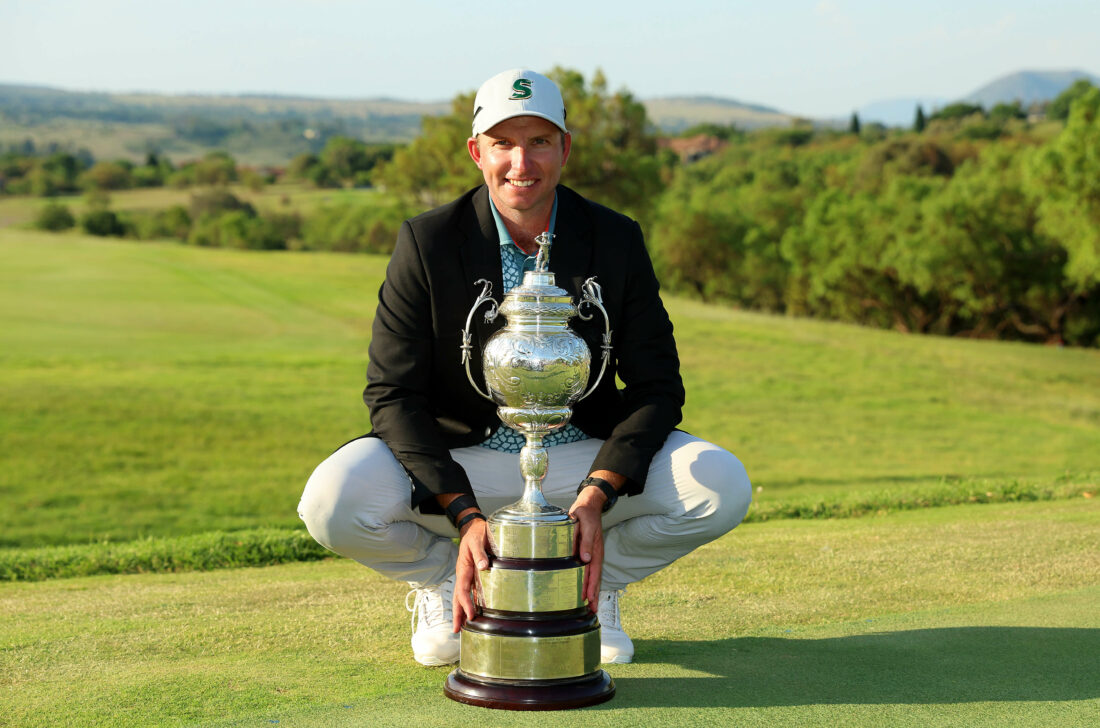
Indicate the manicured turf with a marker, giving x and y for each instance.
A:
(950, 616)
(161, 407)
(161, 390)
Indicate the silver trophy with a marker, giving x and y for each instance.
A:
(534, 644)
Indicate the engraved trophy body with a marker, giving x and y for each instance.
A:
(534, 644)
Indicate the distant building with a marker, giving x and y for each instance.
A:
(693, 148)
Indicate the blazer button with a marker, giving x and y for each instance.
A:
(488, 431)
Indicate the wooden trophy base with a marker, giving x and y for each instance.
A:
(565, 694)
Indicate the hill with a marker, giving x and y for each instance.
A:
(264, 129)
(673, 114)
(257, 129)
(1027, 87)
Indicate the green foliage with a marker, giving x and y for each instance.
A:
(614, 159)
(54, 217)
(435, 167)
(1066, 173)
(343, 162)
(1062, 104)
(725, 132)
(199, 552)
(956, 111)
(919, 122)
(853, 124)
(108, 176)
(170, 222)
(353, 228)
(1007, 112)
(244, 230)
(102, 223)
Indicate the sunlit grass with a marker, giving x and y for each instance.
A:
(162, 390)
(950, 616)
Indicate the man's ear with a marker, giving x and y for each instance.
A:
(474, 150)
(567, 144)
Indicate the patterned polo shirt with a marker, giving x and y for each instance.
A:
(514, 262)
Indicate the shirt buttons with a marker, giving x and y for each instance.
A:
(488, 431)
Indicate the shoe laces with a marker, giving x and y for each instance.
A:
(432, 605)
(608, 612)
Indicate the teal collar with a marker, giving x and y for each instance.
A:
(502, 230)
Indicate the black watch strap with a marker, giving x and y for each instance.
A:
(471, 516)
(458, 505)
(608, 490)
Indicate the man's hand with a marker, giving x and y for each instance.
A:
(472, 557)
(588, 541)
(587, 511)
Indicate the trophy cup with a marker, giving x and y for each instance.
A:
(534, 644)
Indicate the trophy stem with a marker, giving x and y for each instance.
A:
(533, 465)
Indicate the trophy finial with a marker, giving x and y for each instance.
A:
(542, 260)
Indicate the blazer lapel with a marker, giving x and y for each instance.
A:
(480, 254)
(571, 256)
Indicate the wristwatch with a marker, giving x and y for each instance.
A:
(607, 488)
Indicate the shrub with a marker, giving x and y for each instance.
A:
(171, 222)
(216, 201)
(353, 228)
(102, 223)
(54, 217)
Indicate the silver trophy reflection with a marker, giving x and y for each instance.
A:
(534, 644)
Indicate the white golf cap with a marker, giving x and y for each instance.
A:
(518, 92)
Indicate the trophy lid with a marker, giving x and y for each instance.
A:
(539, 283)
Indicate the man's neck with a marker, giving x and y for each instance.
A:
(524, 226)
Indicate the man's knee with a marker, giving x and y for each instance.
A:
(336, 504)
(727, 484)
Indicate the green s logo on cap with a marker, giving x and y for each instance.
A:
(521, 90)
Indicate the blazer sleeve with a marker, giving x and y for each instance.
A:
(399, 373)
(647, 362)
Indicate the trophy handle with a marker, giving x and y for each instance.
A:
(467, 348)
(592, 294)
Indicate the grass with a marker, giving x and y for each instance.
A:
(161, 407)
(157, 390)
(949, 616)
(283, 197)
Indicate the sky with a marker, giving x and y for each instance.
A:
(819, 58)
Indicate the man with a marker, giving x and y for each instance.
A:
(438, 460)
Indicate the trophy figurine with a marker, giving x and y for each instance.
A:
(534, 644)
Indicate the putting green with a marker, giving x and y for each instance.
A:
(969, 615)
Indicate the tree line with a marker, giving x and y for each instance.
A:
(973, 222)
(977, 223)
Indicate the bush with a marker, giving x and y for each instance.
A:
(353, 228)
(102, 223)
(171, 222)
(239, 229)
(54, 217)
(216, 201)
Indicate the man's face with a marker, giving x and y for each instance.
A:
(521, 159)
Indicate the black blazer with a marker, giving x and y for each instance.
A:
(420, 401)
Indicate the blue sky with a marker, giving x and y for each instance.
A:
(817, 58)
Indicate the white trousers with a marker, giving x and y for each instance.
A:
(357, 504)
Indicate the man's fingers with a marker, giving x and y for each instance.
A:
(592, 574)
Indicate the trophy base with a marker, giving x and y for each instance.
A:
(578, 692)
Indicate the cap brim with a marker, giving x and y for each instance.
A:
(479, 129)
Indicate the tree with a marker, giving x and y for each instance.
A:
(108, 176)
(1060, 107)
(958, 110)
(54, 217)
(1066, 172)
(613, 161)
(853, 125)
(919, 121)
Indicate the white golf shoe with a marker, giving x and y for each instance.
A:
(433, 642)
(615, 645)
